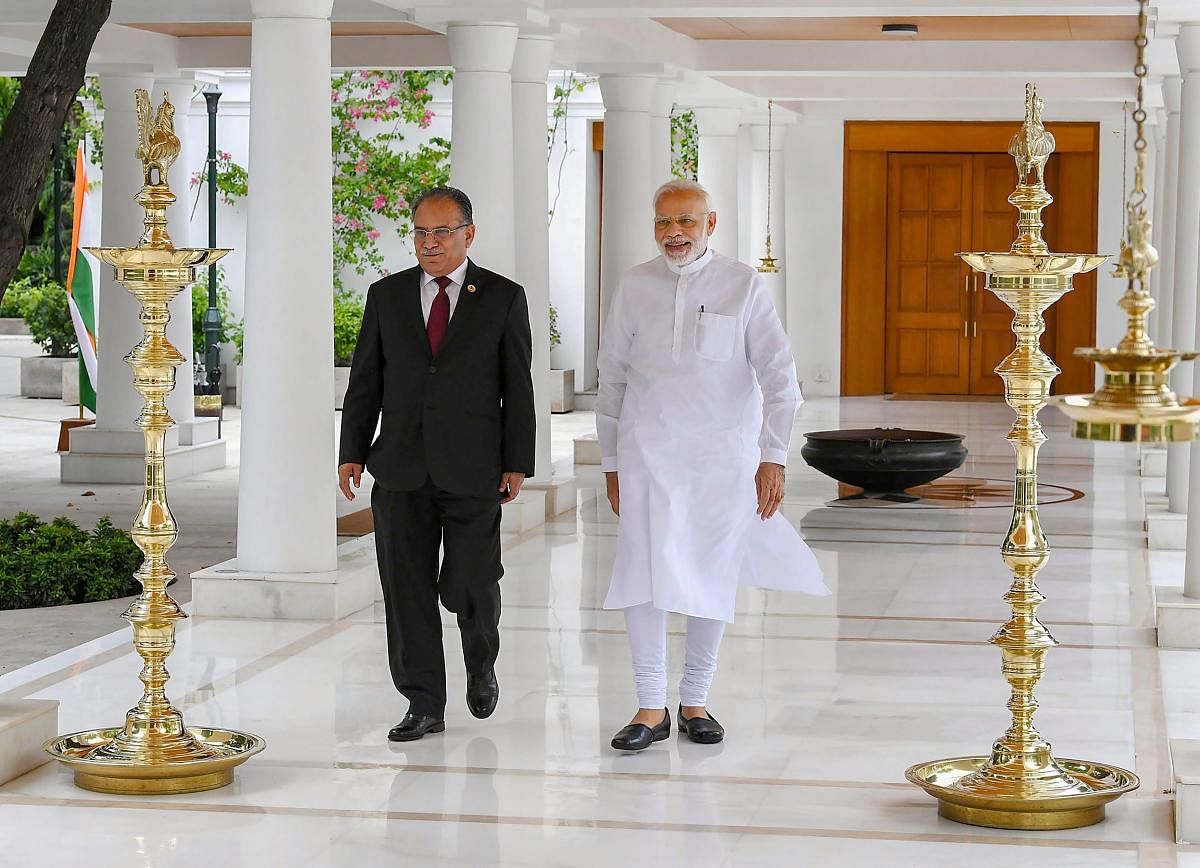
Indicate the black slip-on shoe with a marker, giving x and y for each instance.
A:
(638, 736)
(702, 730)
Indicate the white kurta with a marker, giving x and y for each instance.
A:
(697, 386)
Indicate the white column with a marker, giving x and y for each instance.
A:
(119, 330)
(1186, 240)
(718, 171)
(758, 222)
(481, 136)
(627, 233)
(1164, 232)
(531, 65)
(1187, 234)
(179, 331)
(286, 494)
(660, 131)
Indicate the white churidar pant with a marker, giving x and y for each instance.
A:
(647, 627)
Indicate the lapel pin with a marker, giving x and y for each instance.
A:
(470, 287)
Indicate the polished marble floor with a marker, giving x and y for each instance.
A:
(826, 702)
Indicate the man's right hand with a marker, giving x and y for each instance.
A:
(614, 491)
(346, 473)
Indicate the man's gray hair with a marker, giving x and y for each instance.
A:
(682, 185)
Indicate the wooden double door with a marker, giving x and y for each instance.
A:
(945, 333)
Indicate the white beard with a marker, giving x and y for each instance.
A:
(694, 252)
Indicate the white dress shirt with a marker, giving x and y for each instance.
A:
(429, 289)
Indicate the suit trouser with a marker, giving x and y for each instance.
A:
(409, 526)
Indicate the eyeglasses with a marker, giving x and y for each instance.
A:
(685, 221)
(441, 233)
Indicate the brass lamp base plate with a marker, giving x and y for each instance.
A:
(1016, 810)
(1092, 421)
(229, 749)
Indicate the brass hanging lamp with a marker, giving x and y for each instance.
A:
(767, 265)
(1135, 404)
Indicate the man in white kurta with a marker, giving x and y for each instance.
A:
(696, 403)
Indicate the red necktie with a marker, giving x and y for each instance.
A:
(439, 315)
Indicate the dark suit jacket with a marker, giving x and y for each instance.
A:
(461, 417)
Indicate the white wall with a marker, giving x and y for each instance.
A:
(812, 253)
(571, 268)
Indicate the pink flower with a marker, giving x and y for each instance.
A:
(392, 101)
(356, 111)
(402, 203)
(421, 92)
(379, 114)
(373, 234)
(195, 179)
(354, 224)
(347, 124)
(426, 119)
(333, 96)
(225, 155)
(339, 219)
(360, 167)
(379, 201)
(384, 83)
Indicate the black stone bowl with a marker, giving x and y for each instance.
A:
(884, 460)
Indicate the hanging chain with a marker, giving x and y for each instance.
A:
(770, 108)
(1139, 114)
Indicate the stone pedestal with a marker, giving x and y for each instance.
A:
(42, 376)
(24, 725)
(99, 455)
(562, 390)
(1165, 530)
(525, 513)
(227, 591)
(587, 449)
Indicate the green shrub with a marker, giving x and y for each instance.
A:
(37, 264)
(44, 308)
(57, 562)
(347, 320)
(10, 304)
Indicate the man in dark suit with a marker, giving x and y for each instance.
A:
(444, 354)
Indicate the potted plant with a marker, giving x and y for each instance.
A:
(562, 382)
(43, 306)
(347, 319)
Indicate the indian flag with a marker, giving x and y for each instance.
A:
(83, 280)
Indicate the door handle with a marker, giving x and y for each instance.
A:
(967, 282)
(974, 328)
(965, 326)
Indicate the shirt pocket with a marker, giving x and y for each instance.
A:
(716, 335)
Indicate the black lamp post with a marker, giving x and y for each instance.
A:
(212, 316)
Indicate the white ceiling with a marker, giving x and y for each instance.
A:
(902, 77)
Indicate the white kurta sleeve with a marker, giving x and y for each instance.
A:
(770, 354)
(613, 364)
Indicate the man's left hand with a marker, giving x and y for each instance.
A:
(768, 482)
(511, 482)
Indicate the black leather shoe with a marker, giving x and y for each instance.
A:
(414, 726)
(702, 730)
(638, 736)
(483, 692)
